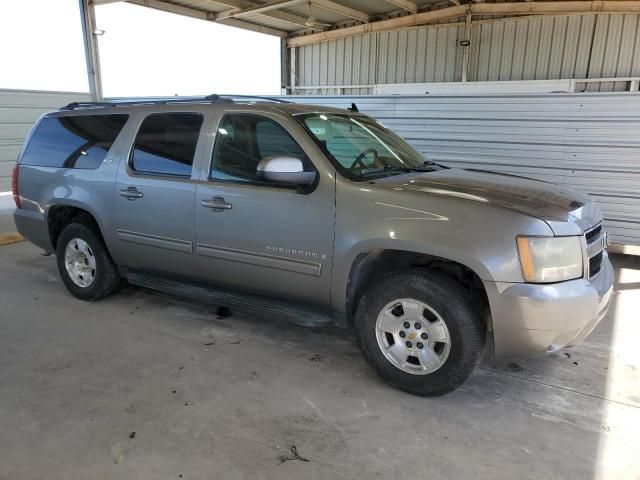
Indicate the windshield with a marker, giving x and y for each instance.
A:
(362, 146)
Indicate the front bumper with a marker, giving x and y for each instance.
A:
(532, 319)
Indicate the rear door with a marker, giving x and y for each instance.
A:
(155, 195)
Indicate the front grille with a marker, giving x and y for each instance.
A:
(595, 263)
(592, 235)
(596, 243)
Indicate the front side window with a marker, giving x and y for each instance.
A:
(78, 141)
(242, 140)
(362, 147)
(166, 144)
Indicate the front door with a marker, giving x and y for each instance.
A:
(155, 196)
(259, 236)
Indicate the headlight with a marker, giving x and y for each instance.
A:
(550, 259)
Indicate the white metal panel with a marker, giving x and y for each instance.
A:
(425, 54)
(532, 48)
(474, 88)
(19, 109)
(529, 48)
(614, 52)
(588, 141)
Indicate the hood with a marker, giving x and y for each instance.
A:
(567, 211)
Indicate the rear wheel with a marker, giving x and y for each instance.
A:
(84, 263)
(419, 332)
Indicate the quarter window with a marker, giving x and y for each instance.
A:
(78, 141)
(166, 143)
(243, 140)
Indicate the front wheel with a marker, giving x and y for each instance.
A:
(419, 332)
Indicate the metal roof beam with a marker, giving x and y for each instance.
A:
(282, 16)
(380, 26)
(506, 9)
(556, 7)
(265, 7)
(254, 27)
(407, 5)
(334, 7)
(199, 14)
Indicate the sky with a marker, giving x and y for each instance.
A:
(143, 52)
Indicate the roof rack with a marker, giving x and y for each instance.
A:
(169, 100)
(259, 97)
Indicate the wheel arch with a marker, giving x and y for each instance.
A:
(371, 264)
(59, 215)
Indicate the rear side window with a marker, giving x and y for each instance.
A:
(79, 141)
(166, 143)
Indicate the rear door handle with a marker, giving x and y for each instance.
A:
(131, 193)
(217, 204)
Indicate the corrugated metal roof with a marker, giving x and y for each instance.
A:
(332, 19)
(299, 16)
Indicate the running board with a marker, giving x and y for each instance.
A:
(295, 313)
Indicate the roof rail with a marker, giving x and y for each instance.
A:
(147, 101)
(214, 98)
(259, 97)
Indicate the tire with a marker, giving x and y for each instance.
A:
(106, 278)
(448, 355)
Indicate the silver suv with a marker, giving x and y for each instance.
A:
(315, 214)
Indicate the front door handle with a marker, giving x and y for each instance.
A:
(217, 204)
(131, 193)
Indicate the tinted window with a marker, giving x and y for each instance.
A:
(243, 140)
(166, 143)
(80, 141)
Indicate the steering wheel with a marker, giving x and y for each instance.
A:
(359, 163)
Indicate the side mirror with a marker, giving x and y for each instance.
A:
(287, 170)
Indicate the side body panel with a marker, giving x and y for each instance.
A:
(477, 235)
(42, 188)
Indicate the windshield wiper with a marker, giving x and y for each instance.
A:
(426, 167)
(388, 168)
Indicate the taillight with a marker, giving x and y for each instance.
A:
(14, 185)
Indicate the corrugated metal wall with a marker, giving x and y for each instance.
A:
(588, 141)
(537, 48)
(19, 109)
(530, 48)
(420, 55)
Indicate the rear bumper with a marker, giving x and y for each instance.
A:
(530, 320)
(33, 226)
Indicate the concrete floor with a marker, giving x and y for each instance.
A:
(213, 398)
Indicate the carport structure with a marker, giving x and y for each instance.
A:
(144, 385)
(352, 46)
(502, 86)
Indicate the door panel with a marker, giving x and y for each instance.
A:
(155, 196)
(271, 241)
(258, 236)
(155, 232)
